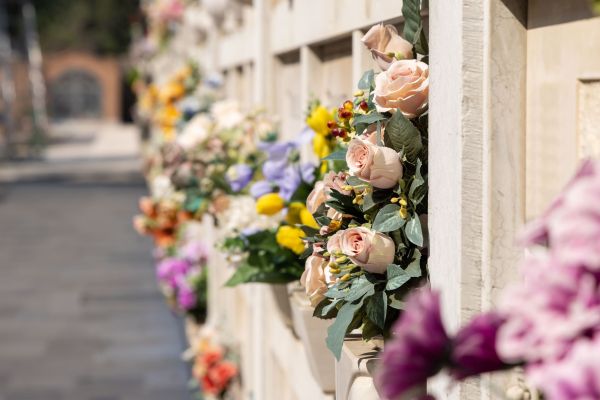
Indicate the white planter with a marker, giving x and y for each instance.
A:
(354, 371)
(282, 301)
(312, 332)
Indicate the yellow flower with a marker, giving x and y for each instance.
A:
(290, 237)
(167, 118)
(318, 119)
(269, 204)
(299, 214)
(307, 219)
(322, 146)
(293, 216)
(171, 91)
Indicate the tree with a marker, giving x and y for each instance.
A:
(99, 26)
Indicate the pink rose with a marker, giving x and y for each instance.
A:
(320, 193)
(405, 86)
(316, 197)
(336, 181)
(384, 43)
(371, 250)
(313, 279)
(334, 244)
(377, 165)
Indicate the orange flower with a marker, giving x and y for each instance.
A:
(218, 377)
(147, 206)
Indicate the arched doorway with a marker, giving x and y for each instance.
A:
(76, 93)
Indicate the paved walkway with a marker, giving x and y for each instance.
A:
(80, 315)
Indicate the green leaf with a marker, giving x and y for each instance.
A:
(326, 309)
(368, 119)
(361, 288)
(377, 308)
(370, 330)
(388, 219)
(414, 268)
(411, 11)
(354, 181)
(397, 277)
(323, 220)
(396, 303)
(337, 155)
(338, 330)
(416, 183)
(413, 231)
(402, 136)
(368, 202)
(420, 41)
(309, 230)
(241, 275)
(367, 81)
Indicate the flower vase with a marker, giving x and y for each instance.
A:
(312, 332)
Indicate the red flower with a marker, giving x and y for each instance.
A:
(218, 377)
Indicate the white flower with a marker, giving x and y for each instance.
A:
(227, 114)
(161, 187)
(195, 132)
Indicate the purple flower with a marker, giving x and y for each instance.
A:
(575, 377)
(276, 150)
(289, 182)
(274, 170)
(307, 171)
(554, 307)
(474, 347)
(195, 252)
(260, 188)
(305, 136)
(170, 269)
(186, 296)
(418, 351)
(539, 230)
(238, 176)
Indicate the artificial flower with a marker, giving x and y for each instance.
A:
(378, 165)
(306, 218)
(418, 350)
(386, 45)
(318, 120)
(404, 86)
(290, 237)
(239, 176)
(369, 249)
(260, 188)
(313, 279)
(474, 347)
(269, 204)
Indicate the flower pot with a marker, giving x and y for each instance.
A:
(312, 332)
(282, 302)
(354, 370)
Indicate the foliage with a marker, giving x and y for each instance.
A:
(101, 26)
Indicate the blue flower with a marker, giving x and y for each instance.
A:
(238, 176)
(260, 188)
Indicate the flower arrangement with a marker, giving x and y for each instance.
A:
(549, 323)
(182, 276)
(215, 369)
(272, 255)
(369, 248)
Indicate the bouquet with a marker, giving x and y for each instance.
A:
(272, 255)
(215, 368)
(369, 248)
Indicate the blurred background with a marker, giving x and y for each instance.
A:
(80, 315)
(61, 61)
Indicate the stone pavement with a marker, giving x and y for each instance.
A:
(80, 315)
